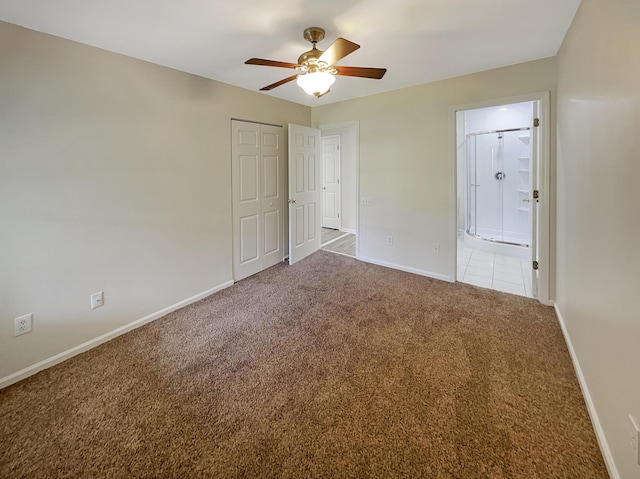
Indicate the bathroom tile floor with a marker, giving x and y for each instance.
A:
(508, 274)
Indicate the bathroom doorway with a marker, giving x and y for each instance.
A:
(499, 169)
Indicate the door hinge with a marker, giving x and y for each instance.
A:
(536, 194)
(536, 122)
(338, 180)
(338, 215)
(535, 265)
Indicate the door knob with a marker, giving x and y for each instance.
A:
(324, 187)
(291, 201)
(525, 200)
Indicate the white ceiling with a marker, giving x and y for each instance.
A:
(418, 41)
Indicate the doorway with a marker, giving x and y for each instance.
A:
(340, 205)
(501, 172)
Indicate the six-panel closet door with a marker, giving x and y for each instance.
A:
(257, 174)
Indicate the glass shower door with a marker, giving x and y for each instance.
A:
(471, 185)
(486, 173)
(498, 187)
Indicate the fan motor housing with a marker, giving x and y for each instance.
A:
(310, 57)
(313, 34)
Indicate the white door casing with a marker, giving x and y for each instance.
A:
(257, 173)
(304, 192)
(331, 182)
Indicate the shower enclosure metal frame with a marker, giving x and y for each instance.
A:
(498, 172)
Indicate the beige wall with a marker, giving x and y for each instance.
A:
(405, 160)
(115, 176)
(598, 278)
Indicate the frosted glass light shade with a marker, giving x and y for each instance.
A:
(316, 83)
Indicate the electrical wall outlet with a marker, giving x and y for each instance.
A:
(634, 437)
(436, 248)
(390, 240)
(23, 324)
(97, 300)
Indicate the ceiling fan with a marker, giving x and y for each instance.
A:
(316, 68)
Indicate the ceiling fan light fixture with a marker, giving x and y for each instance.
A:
(316, 70)
(316, 83)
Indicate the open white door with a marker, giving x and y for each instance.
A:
(304, 192)
(331, 182)
(535, 201)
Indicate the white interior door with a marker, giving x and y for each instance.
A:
(304, 192)
(534, 208)
(331, 182)
(272, 194)
(257, 174)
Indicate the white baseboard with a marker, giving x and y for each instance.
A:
(597, 427)
(348, 230)
(92, 343)
(406, 269)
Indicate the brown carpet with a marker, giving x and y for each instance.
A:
(329, 368)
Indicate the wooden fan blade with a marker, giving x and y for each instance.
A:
(337, 51)
(277, 84)
(375, 73)
(269, 63)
